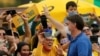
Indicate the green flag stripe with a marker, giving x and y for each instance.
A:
(20, 30)
(97, 3)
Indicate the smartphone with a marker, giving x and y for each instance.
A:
(44, 21)
(12, 12)
(94, 39)
(9, 32)
(16, 34)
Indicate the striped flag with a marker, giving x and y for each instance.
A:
(95, 2)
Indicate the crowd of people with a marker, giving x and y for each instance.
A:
(76, 36)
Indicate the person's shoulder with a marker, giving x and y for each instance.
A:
(34, 50)
(84, 41)
(83, 36)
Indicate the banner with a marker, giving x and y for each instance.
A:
(31, 12)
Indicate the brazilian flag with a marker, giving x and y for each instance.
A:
(95, 2)
(21, 29)
(31, 12)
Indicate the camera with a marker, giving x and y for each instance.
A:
(12, 12)
(94, 39)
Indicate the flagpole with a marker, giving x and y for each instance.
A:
(77, 2)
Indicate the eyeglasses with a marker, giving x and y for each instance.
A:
(2, 34)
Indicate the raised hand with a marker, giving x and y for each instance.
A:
(40, 37)
(24, 17)
(3, 15)
(37, 18)
(9, 18)
(5, 49)
(96, 47)
(46, 11)
(59, 50)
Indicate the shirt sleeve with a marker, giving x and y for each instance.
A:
(82, 48)
(38, 51)
(20, 30)
(33, 26)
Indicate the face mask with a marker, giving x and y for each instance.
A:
(71, 13)
(67, 30)
(64, 40)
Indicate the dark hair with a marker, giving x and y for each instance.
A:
(16, 34)
(78, 20)
(58, 37)
(1, 28)
(95, 30)
(2, 53)
(34, 42)
(13, 25)
(94, 25)
(86, 25)
(19, 47)
(70, 3)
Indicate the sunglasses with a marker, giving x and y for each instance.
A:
(86, 30)
(2, 34)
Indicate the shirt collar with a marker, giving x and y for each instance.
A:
(76, 37)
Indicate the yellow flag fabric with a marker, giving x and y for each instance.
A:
(39, 50)
(30, 12)
(94, 2)
(90, 1)
(59, 8)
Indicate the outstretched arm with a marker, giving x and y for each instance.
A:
(57, 24)
(27, 34)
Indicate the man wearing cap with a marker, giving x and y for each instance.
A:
(46, 46)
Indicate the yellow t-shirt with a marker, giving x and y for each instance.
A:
(38, 51)
(94, 53)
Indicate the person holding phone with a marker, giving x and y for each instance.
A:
(77, 37)
(8, 39)
(45, 46)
